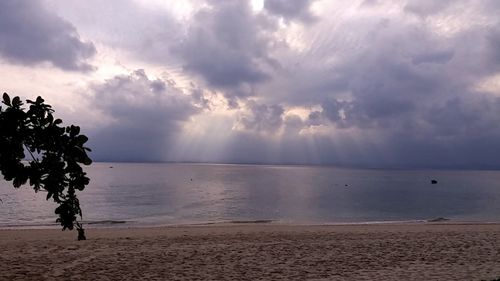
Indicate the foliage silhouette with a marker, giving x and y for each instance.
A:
(56, 155)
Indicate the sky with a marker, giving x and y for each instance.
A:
(368, 83)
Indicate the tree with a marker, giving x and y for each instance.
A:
(56, 153)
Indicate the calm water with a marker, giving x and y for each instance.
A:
(158, 194)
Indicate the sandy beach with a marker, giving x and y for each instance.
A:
(256, 252)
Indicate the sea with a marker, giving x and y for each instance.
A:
(158, 194)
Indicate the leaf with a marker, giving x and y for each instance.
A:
(74, 130)
(87, 161)
(16, 102)
(50, 118)
(6, 99)
(21, 178)
(81, 139)
(18, 181)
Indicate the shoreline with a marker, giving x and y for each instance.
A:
(249, 251)
(112, 224)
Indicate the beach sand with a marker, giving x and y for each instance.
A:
(256, 252)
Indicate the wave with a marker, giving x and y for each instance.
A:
(43, 225)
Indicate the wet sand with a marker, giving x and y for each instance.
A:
(424, 251)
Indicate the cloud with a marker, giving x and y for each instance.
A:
(427, 7)
(145, 32)
(145, 115)
(369, 3)
(262, 118)
(373, 83)
(291, 10)
(403, 94)
(30, 34)
(228, 46)
(381, 90)
(438, 57)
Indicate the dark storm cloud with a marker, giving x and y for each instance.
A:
(408, 93)
(291, 10)
(30, 34)
(384, 89)
(390, 84)
(458, 134)
(145, 115)
(262, 117)
(227, 45)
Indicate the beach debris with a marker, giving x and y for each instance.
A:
(111, 167)
(434, 181)
(346, 185)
